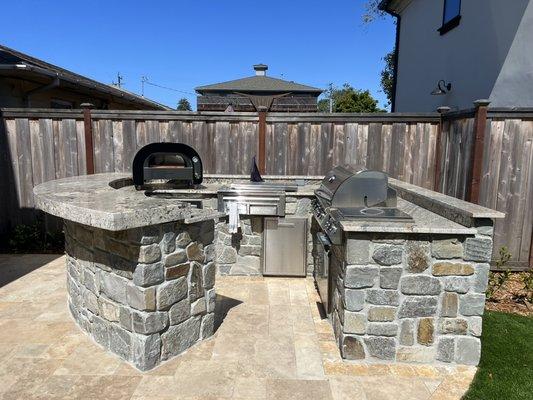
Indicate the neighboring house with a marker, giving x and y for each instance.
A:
(28, 82)
(255, 92)
(482, 48)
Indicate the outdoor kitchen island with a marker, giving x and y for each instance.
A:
(140, 270)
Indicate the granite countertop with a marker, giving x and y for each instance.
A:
(425, 221)
(90, 200)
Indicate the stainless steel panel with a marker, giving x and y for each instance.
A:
(285, 246)
(253, 203)
(321, 273)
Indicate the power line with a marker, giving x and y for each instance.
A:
(144, 79)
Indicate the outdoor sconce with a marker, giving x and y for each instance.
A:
(442, 88)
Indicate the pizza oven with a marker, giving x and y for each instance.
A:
(166, 165)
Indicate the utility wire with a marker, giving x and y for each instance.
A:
(145, 80)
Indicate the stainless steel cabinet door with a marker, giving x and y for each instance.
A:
(285, 246)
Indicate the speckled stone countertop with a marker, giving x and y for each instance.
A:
(90, 200)
(424, 221)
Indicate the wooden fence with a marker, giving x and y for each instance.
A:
(40, 145)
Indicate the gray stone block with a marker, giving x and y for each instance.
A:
(468, 351)
(407, 332)
(183, 239)
(389, 277)
(475, 325)
(357, 251)
(113, 286)
(381, 329)
(171, 292)
(420, 284)
(228, 255)
(246, 265)
(207, 326)
(177, 271)
(208, 275)
(447, 248)
(383, 297)
(100, 330)
(149, 322)
(179, 312)
(360, 277)
(148, 274)
(478, 249)
(168, 243)
(247, 250)
(481, 278)
(383, 348)
(446, 349)
(108, 309)
(388, 254)
(210, 252)
(210, 298)
(199, 306)
(120, 341)
(125, 318)
(146, 351)
(149, 254)
(141, 298)
(179, 338)
(303, 206)
(472, 304)
(175, 258)
(416, 354)
(449, 305)
(457, 284)
(90, 281)
(196, 287)
(413, 307)
(90, 301)
(354, 322)
(352, 348)
(354, 300)
(417, 256)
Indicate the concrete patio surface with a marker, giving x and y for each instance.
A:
(272, 344)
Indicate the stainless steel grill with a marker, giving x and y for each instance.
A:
(354, 193)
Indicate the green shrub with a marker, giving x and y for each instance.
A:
(34, 239)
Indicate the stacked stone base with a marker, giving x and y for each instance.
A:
(411, 298)
(145, 294)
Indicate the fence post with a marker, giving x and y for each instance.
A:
(262, 112)
(480, 124)
(88, 132)
(438, 145)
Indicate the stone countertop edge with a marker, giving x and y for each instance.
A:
(89, 200)
(425, 222)
(421, 196)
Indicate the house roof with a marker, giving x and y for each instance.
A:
(258, 84)
(393, 6)
(15, 63)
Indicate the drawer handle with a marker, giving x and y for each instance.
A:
(286, 224)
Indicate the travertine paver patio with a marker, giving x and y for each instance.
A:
(272, 344)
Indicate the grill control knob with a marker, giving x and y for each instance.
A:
(332, 178)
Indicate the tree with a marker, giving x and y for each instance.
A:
(372, 11)
(349, 100)
(184, 105)
(387, 75)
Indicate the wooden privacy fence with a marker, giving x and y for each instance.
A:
(424, 149)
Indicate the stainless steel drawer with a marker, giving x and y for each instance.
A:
(285, 246)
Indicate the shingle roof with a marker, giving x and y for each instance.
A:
(258, 84)
(10, 56)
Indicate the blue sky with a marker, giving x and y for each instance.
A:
(183, 44)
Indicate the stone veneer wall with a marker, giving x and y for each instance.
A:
(146, 294)
(411, 298)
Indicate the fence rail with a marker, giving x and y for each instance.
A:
(40, 145)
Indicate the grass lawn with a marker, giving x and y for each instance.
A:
(506, 367)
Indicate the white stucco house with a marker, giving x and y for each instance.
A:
(476, 49)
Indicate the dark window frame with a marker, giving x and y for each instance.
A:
(452, 23)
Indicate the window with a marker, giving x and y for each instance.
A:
(451, 15)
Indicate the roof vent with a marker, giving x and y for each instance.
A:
(260, 69)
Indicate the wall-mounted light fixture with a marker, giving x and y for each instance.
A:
(442, 88)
